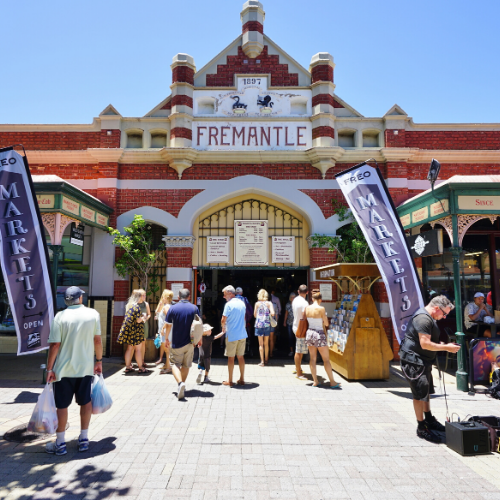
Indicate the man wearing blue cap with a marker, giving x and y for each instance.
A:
(74, 334)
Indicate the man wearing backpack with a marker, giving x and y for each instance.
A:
(74, 335)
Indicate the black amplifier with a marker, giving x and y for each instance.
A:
(467, 438)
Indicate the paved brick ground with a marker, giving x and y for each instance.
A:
(277, 437)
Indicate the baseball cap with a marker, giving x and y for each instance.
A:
(479, 294)
(239, 290)
(207, 327)
(73, 292)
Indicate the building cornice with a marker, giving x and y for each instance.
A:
(179, 241)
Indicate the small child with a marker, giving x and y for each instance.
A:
(205, 354)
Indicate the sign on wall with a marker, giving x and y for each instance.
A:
(218, 249)
(251, 243)
(326, 291)
(76, 234)
(283, 249)
(23, 255)
(426, 244)
(370, 202)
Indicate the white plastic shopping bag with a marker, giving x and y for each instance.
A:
(101, 399)
(44, 417)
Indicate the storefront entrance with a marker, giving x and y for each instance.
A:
(281, 281)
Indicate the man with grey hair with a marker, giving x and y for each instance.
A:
(179, 319)
(74, 335)
(233, 325)
(418, 352)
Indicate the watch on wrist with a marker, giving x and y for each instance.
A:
(48, 371)
(98, 360)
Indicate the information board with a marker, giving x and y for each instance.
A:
(283, 249)
(251, 243)
(326, 291)
(218, 249)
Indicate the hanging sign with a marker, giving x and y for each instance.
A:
(283, 249)
(218, 249)
(251, 243)
(23, 255)
(426, 244)
(76, 234)
(202, 287)
(371, 204)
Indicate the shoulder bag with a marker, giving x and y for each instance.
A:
(303, 326)
(273, 322)
(196, 330)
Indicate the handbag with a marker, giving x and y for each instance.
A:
(196, 330)
(273, 322)
(303, 327)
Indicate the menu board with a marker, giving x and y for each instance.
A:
(283, 249)
(251, 243)
(218, 249)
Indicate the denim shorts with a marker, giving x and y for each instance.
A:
(263, 332)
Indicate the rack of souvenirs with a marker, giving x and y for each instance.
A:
(359, 348)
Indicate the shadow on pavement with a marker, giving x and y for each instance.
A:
(248, 386)
(25, 397)
(44, 485)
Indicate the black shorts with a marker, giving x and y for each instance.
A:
(67, 387)
(420, 380)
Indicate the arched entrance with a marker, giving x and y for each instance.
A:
(279, 273)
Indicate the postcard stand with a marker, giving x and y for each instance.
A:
(361, 350)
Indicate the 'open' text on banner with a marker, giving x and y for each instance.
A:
(23, 255)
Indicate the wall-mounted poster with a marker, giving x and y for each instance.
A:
(251, 243)
(283, 249)
(218, 249)
(326, 291)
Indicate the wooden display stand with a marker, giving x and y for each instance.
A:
(367, 351)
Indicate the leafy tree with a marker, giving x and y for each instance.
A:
(349, 244)
(139, 257)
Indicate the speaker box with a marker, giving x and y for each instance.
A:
(467, 438)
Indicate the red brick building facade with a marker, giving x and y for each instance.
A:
(252, 124)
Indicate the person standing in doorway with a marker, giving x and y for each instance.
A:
(298, 306)
(277, 313)
(233, 325)
(74, 335)
(161, 314)
(288, 323)
(262, 312)
(179, 319)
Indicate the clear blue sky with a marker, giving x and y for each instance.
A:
(65, 61)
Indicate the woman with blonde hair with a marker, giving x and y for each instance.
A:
(161, 314)
(316, 339)
(262, 311)
(132, 331)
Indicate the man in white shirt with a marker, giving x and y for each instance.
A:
(298, 306)
(477, 311)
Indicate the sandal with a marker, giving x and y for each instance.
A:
(240, 382)
(144, 370)
(230, 384)
(336, 386)
(164, 371)
(129, 369)
(261, 364)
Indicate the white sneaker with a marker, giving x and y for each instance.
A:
(180, 391)
(207, 379)
(199, 378)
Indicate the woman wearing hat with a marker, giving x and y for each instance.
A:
(476, 311)
(205, 354)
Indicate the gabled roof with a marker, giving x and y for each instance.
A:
(109, 110)
(347, 107)
(232, 50)
(161, 109)
(396, 111)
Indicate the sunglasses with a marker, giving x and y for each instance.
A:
(444, 314)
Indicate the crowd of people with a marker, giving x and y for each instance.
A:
(174, 332)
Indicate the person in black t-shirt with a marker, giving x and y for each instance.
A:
(417, 353)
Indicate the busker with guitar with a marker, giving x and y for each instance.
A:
(418, 352)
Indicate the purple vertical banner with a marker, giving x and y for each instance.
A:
(371, 205)
(23, 255)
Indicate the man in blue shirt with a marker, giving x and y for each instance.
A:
(179, 319)
(233, 325)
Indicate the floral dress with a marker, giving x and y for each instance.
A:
(132, 332)
(262, 320)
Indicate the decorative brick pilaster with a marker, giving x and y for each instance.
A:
(319, 257)
(252, 19)
(179, 250)
(181, 117)
(323, 102)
